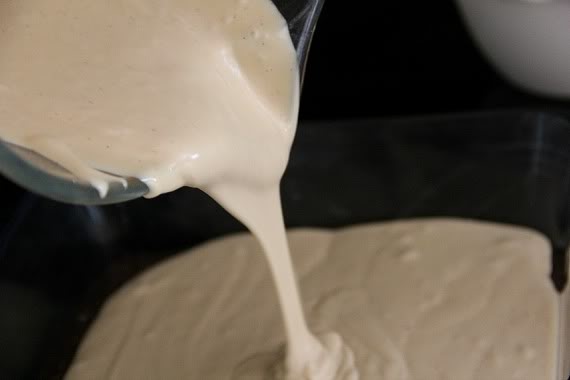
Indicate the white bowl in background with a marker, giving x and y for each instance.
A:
(527, 41)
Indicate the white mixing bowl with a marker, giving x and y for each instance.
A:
(528, 41)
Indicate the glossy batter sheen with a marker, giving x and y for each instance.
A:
(200, 93)
(174, 92)
(415, 300)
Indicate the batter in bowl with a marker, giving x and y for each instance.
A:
(415, 300)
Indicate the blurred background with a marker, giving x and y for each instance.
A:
(388, 58)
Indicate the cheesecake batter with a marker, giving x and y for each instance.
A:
(415, 300)
(174, 92)
(200, 93)
(204, 93)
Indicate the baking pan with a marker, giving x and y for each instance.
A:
(58, 263)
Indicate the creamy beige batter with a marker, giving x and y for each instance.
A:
(174, 92)
(415, 300)
(201, 93)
